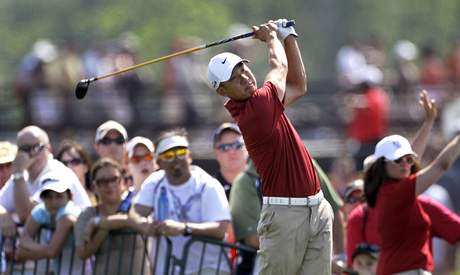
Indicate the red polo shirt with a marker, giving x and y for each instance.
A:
(404, 228)
(444, 224)
(279, 155)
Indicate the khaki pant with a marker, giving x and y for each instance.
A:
(415, 272)
(296, 239)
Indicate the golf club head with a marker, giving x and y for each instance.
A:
(82, 88)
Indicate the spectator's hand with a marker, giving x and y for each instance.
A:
(265, 32)
(7, 225)
(90, 229)
(284, 31)
(429, 106)
(169, 228)
(21, 162)
(26, 242)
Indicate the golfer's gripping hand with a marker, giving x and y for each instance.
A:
(265, 32)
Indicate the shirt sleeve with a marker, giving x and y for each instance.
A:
(329, 192)
(40, 215)
(215, 204)
(70, 209)
(445, 224)
(6, 196)
(80, 224)
(145, 196)
(245, 206)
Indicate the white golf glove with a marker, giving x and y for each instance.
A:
(284, 31)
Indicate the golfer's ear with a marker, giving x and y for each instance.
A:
(221, 91)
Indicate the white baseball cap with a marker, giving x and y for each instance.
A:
(7, 152)
(105, 127)
(220, 68)
(169, 143)
(139, 140)
(393, 147)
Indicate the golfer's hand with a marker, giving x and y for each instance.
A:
(265, 32)
(283, 30)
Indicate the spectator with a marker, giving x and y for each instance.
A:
(354, 195)
(33, 168)
(291, 186)
(392, 185)
(432, 70)
(231, 154)
(369, 106)
(7, 154)
(94, 223)
(110, 141)
(185, 201)
(141, 161)
(406, 71)
(58, 213)
(453, 64)
(72, 155)
(365, 259)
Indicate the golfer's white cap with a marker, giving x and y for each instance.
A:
(393, 147)
(139, 140)
(169, 143)
(221, 66)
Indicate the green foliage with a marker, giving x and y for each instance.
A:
(324, 26)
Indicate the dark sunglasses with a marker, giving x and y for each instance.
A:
(107, 141)
(73, 162)
(137, 159)
(407, 159)
(32, 149)
(104, 182)
(225, 147)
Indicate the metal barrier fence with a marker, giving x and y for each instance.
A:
(130, 253)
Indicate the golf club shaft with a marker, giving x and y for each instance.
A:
(191, 50)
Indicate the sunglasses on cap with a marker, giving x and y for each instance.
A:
(409, 159)
(225, 147)
(107, 141)
(32, 149)
(73, 162)
(171, 155)
(146, 157)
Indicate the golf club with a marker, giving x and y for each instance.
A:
(83, 85)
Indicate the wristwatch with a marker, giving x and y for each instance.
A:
(187, 230)
(19, 175)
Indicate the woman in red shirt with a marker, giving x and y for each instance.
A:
(392, 184)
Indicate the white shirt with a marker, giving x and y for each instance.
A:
(53, 171)
(200, 199)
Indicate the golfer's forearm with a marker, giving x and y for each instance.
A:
(296, 81)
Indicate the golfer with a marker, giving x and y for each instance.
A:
(296, 222)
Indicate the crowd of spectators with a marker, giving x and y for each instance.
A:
(158, 178)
